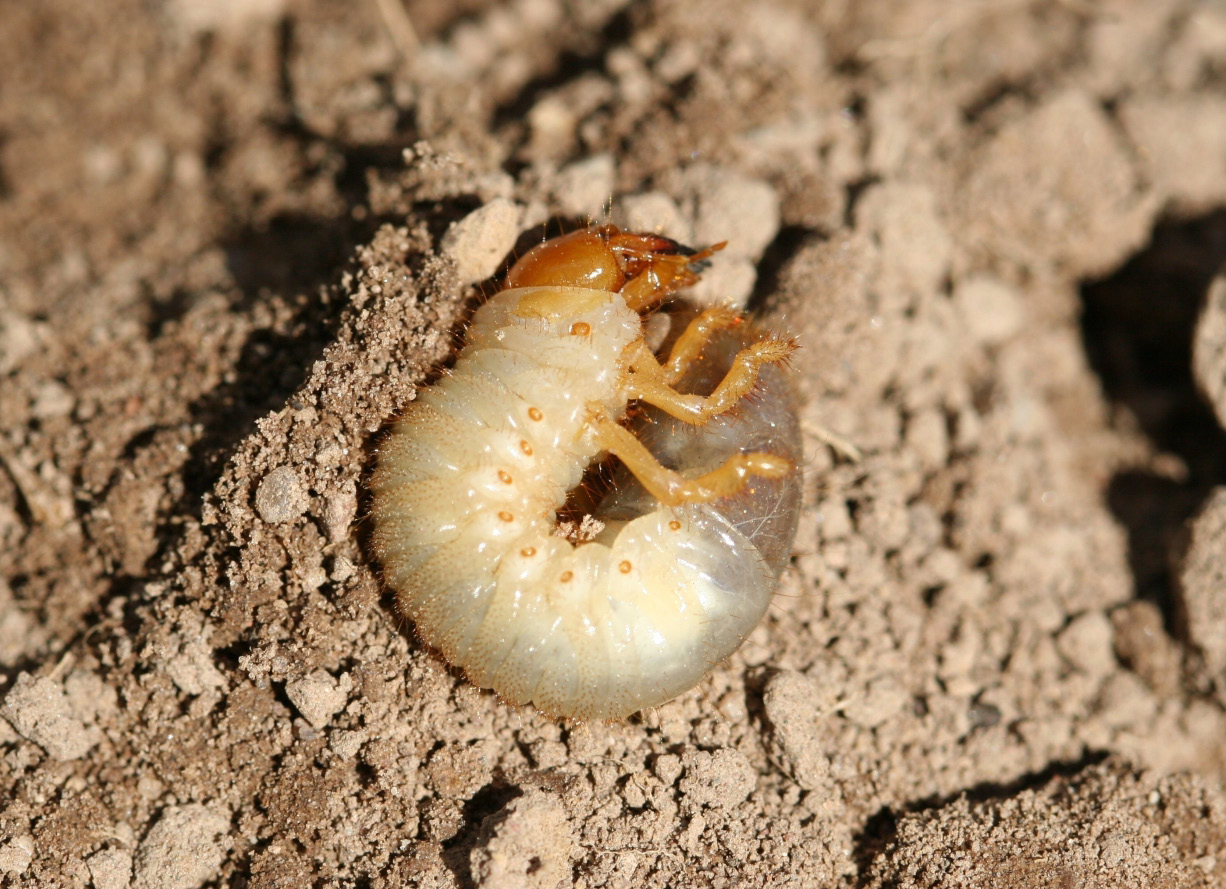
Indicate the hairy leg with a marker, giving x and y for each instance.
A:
(694, 339)
(670, 487)
(648, 380)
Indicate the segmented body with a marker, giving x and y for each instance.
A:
(465, 498)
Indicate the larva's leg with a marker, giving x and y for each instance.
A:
(670, 487)
(695, 337)
(649, 381)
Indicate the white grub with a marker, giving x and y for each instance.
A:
(471, 477)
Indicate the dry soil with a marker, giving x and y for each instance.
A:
(235, 236)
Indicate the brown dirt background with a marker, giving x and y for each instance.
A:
(235, 236)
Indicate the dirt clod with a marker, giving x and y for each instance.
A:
(319, 696)
(110, 869)
(37, 707)
(527, 844)
(183, 849)
(1202, 581)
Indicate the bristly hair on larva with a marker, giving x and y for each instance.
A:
(680, 559)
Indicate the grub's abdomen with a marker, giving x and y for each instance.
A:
(464, 500)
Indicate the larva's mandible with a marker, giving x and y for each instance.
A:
(471, 476)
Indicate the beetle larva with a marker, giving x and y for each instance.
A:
(470, 479)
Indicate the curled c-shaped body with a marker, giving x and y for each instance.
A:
(465, 498)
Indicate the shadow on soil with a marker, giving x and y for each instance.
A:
(1137, 328)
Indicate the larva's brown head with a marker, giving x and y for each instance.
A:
(644, 268)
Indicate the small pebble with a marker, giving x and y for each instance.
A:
(280, 497)
(480, 241)
(318, 696)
